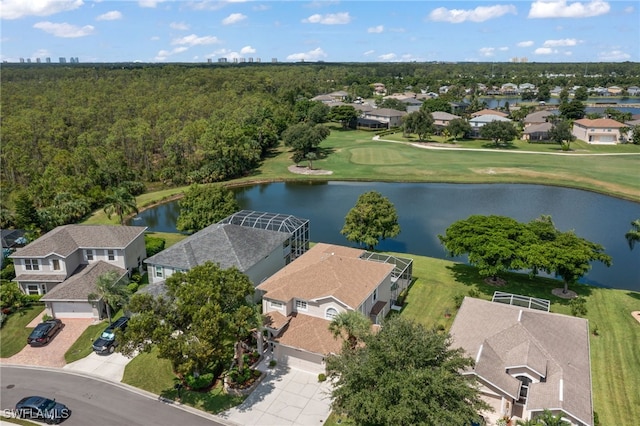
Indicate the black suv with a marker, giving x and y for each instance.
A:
(106, 343)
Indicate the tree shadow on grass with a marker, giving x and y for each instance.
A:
(633, 294)
(515, 283)
(214, 400)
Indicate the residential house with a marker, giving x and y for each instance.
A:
(379, 89)
(598, 131)
(489, 112)
(537, 132)
(538, 117)
(339, 95)
(300, 300)
(614, 90)
(63, 265)
(257, 243)
(527, 360)
(442, 119)
(391, 117)
(632, 126)
(509, 89)
(633, 91)
(480, 121)
(527, 87)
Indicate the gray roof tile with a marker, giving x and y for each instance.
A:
(82, 283)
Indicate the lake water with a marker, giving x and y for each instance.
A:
(427, 209)
(621, 104)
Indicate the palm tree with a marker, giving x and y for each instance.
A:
(529, 422)
(112, 290)
(352, 323)
(634, 233)
(121, 203)
(549, 419)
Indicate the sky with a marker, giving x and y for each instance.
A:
(165, 31)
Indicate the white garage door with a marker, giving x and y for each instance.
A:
(302, 360)
(72, 309)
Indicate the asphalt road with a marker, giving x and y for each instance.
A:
(91, 401)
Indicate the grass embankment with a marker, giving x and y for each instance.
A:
(14, 332)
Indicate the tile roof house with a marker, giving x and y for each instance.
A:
(538, 117)
(392, 117)
(62, 265)
(527, 360)
(478, 121)
(300, 300)
(442, 119)
(255, 251)
(537, 132)
(488, 112)
(598, 131)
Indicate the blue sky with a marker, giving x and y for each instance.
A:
(331, 31)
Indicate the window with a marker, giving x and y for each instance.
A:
(33, 289)
(55, 264)
(375, 295)
(301, 305)
(524, 389)
(275, 304)
(331, 313)
(32, 265)
(159, 272)
(111, 255)
(88, 254)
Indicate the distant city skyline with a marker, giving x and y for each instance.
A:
(165, 31)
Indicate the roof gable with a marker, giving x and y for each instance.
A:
(599, 123)
(65, 240)
(327, 271)
(225, 244)
(82, 283)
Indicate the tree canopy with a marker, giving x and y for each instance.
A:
(204, 205)
(560, 133)
(372, 219)
(197, 322)
(303, 138)
(343, 114)
(500, 132)
(404, 375)
(419, 122)
(112, 290)
(120, 202)
(495, 244)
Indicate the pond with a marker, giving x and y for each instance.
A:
(427, 209)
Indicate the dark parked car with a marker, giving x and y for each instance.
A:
(44, 332)
(41, 408)
(106, 343)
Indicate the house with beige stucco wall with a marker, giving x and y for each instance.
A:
(598, 131)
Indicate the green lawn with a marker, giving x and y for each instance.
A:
(146, 371)
(14, 332)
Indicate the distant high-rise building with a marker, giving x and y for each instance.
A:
(258, 60)
(242, 60)
(22, 60)
(235, 60)
(77, 61)
(250, 59)
(524, 59)
(48, 60)
(28, 60)
(274, 60)
(222, 59)
(209, 60)
(38, 60)
(63, 60)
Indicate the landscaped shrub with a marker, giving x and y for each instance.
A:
(136, 277)
(33, 298)
(273, 363)
(8, 272)
(133, 287)
(154, 245)
(457, 300)
(578, 306)
(46, 317)
(203, 381)
(322, 377)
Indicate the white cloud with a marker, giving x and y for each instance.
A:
(544, 51)
(247, 49)
(387, 57)
(234, 18)
(313, 55)
(329, 19)
(562, 9)
(164, 54)
(181, 26)
(113, 15)
(149, 3)
(527, 43)
(487, 51)
(503, 48)
(561, 43)
(377, 29)
(479, 14)
(194, 40)
(64, 30)
(261, 8)
(369, 52)
(15, 9)
(614, 55)
(629, 9)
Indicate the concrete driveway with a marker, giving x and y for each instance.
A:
(52, 354)
(286, 396)
(109, 367)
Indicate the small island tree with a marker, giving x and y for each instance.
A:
(372, 219)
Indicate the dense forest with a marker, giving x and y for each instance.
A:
(71, 134)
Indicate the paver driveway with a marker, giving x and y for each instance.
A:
(52, 354)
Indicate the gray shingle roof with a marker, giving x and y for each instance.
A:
(502, 336)
(225, 244)
(64, 240)
(82, 283)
